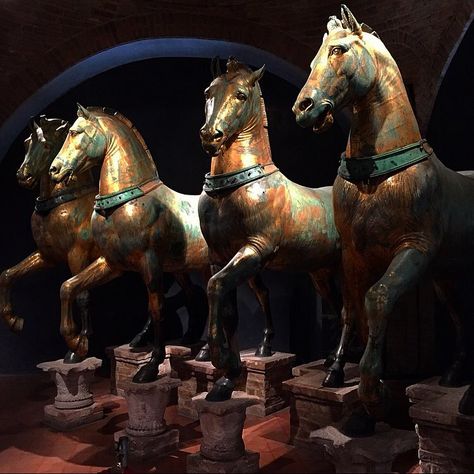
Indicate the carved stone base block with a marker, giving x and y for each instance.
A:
(265, 376)
(142, 447)
(248, 463)
(146, 427)
(74, 403)
(126, 362)
(446, 437)
(313, 406)
(374, 453)
(222, 424)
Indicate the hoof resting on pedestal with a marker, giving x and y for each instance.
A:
(334, 379)
(204, 355)
(263, 350)
(73, 358)
(221, 391)
(359, 424)
(466, 405)
(147, 373)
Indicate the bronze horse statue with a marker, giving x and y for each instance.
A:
(252, 216)
(60, 222)
(138, 223)
(400, 212)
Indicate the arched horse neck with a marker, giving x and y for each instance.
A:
(383, 119)
(250, 147)
(127, 160)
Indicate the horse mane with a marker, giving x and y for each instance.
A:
(114, 113)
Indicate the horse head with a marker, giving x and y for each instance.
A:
(40, 149)
(232, 100)
(83, 148)
(343, 71)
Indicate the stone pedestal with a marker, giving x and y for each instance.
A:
(265, 376)
(374, 453)
(313, 406)
(222, 447)
(74, 403)
(125, 363)
(446, 437)
(146, 428)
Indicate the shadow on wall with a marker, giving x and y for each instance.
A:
(164, 99)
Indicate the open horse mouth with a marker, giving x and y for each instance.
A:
(65, 174)
(324, 119)
(27, 183)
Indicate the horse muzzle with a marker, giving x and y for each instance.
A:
(26, 180)
(59, 173)
(211, 140)
(309, 114)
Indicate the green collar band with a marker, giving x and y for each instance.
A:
(362, 169)
(121, 197)
(43, 206)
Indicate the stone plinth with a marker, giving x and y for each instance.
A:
(146, 428)
(350, 370)
(74, 403)
(264, 380)
(374, 453)
(313, 406)
(126, 362)
(446, 437)
(222, 447)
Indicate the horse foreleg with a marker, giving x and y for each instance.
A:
(152, 274)
(30, 264)
(97, 273)
(223, 317)
(454, 376)
(264, 349)
(402, 274)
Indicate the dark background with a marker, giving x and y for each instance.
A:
(164, 99)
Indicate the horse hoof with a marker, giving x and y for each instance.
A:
(334, 379)
(359, 424)
(204, 355)
(330, 359)
(221, 391)
(466, 405)
(148, 373)
(452, 378)
(263, 350)
(72, 358)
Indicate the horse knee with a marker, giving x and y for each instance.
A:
(67, 290)
(5, 278)
(215, 287)
(377, 299)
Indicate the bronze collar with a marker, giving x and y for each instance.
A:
(43, 206)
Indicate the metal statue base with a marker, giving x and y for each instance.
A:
(146, 428)
(446, 437)
(261, 377)
(74, 403)
(374, 453)
(222, 447)
(313, 406)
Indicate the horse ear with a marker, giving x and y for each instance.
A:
(350, 20)
(367, 29)
(83, 112)
(257, 75)
(215, 67)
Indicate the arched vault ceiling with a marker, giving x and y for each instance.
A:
(42, 38)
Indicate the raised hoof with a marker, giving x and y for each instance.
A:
(204, 355)
(359, 424)
(466, 405)
(263, 350)
(72, 358)
(147, 373)
(452, 378)
(221, 391)
(334, 379)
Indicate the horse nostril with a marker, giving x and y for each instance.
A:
(306, 104)
(53, 170)
(217, 135)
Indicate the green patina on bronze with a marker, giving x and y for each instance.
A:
(363, 169)
(43, 205)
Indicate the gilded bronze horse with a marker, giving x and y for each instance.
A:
(252, 216)
(138, 223)
(400, 212)
(61, 221)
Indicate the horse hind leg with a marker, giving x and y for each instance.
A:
(264, 349)
(455, 375)
(29, 265)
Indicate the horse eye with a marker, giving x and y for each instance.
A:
(241, 96)
(73, 133)
(336, 51)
